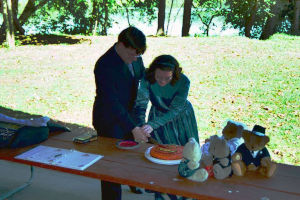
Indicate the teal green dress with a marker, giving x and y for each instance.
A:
(171, 115)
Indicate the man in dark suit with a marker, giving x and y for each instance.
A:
(117, 74)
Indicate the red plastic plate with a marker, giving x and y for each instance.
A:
(127, 144)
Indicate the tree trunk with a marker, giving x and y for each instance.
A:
(296, 25)
(104, 27)
(94, 17)
(127, 15)
(169, 17)
(186, 21)
(15, 9)
(178, 11)
(2, 27)
(8, 18)
(161, 18)
(1, 6)
(29, 9)
(272, 21)
(250, 19)
(95, 28)
(208, 25)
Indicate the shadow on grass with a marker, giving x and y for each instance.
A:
(79, 129)
(45, 39)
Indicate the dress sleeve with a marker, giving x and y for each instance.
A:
(105, 81)
(141, 102)
(176, 106)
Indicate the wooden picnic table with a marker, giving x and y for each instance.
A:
(130, 167)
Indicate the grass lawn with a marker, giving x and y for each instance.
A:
(250, 81)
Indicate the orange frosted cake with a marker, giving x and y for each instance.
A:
(167, 152)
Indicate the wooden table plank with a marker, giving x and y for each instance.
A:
(286, 178)
(132, 168)
(170, 182)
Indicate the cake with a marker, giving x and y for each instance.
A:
(167, 152)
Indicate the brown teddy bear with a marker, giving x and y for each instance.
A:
(218, 159)
(233, 130)
(253, 155)
(232, 133)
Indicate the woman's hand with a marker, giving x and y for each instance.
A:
(147, 129)
(139, 135)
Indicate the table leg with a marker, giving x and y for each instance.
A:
(18, 189)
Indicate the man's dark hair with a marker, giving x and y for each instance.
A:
(134, 38)
(165, 63)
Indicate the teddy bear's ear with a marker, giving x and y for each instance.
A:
(229, 122)
(265, 140)
(246, 134)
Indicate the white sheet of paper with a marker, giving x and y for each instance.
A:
(60, 157)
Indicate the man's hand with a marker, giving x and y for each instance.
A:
(147, 129)
(139, 135)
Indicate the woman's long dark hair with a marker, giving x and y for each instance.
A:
(165, 63)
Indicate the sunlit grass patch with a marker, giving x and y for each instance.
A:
(251, 81)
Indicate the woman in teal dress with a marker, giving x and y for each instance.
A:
(171, 118)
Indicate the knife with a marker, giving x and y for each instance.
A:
(152, 140)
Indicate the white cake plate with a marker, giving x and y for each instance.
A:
(159, 161)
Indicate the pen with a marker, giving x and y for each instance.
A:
(57, 155)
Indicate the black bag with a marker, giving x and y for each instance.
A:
(14, 135)
(6, 136)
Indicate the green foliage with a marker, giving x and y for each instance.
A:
(287, 16)
(288, 10)
(206, 11)
(142, 10)
(147, 9)
(238, 13)
(101, 12)
(66, 16)
(86, 16)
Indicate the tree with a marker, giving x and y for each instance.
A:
(161, 18)
(177, 13)
(67, 16)
(31, 7)
(248, 16)
(1, 10)
(296, 24)
(8, 19)
(15, 10)
(169, 17)
(273, 20)
(186, 21)
(283, 18)
(249, 20)
(100, 14)
(143, 10)
(207, 10)
(126, 4)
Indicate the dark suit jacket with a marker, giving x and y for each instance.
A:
(248, 158)
(116, 91)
